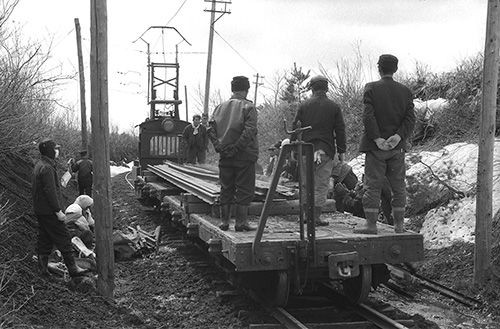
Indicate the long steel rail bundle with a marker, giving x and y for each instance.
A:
(212, 175)
(190, 184)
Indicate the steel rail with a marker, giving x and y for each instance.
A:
(434, 286)
(197, 190)
(286, 319)
(380, 320)
(202, 173)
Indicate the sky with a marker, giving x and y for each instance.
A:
(258, 36)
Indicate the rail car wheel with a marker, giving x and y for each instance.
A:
(273, 287)
(358, 288)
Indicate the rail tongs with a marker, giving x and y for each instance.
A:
(306, 183)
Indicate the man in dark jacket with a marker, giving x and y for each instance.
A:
(195, 141)
(46, 194)
(84, 170)
(389, 120)
(233, 132)
(327, 135)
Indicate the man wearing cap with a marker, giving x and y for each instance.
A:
(84, 170)
(233, 132)
(389, 120)
(327, 135)
(195, 141)
(52, 231)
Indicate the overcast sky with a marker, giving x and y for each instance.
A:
(263, 36)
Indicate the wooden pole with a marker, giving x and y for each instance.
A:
(209, 59)
(100, 145)
(186, 100)
(83, 108)
(484, 207)
(256, 88)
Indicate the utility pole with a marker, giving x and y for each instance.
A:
(257, 84)
(484, 207)
(100, 144)
(212, 11)
(186, 100)
(83, 108)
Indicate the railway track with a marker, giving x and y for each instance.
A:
(355, 316)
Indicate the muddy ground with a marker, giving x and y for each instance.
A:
(176, 288)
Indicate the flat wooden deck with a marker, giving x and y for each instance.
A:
(282, 233)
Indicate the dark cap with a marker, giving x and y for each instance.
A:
(388, 63)
(318, 82)
(47, 147)
(83, 152)
(240, 83)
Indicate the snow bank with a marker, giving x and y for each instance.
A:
(425, 110)
(456, 221)
(116, 170)
(456, 165)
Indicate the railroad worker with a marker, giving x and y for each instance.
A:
(84, 170)
(274, 151)
(388, 120)
(327, 136)
(79, 220)
(46, 205)
(195, 141)
(233, 132)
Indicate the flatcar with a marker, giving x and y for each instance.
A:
(287, 254)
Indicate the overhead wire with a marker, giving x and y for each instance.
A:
(236, 51)
(175, 14)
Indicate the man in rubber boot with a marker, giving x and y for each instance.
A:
(327, 133)
(233, 132)
(46, 195)
(389, 120)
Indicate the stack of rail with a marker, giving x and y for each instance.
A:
(203, 182)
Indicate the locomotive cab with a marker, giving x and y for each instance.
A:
(160, 139)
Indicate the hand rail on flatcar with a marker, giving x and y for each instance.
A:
(300, 147)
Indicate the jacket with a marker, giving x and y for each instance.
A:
(45, 187)
(327, 122)
(199, 140)
(388, 110)
(85, 170)
(235, 122)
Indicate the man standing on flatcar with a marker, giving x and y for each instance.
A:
(195, 141)
(389, 120)
(233, 132)
(327, 136)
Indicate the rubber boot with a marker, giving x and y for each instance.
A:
(225, 213)
(317, 217)
(43, 262)
(73, 269)
(241, 219)
(399, 221)
(370, 226)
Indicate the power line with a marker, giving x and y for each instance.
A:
(182, 5)
(237, 52)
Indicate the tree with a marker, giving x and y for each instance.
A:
(294, 90)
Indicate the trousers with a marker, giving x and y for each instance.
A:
(379, 165)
